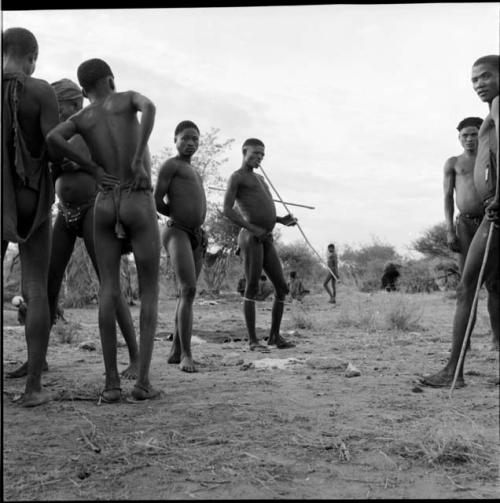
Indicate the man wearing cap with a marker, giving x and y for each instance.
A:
(459, 188)
(76, 190)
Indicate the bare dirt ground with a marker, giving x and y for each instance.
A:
(241, 429)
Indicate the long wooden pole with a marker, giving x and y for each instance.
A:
(275, 200)
(298, 225)
(473, 309)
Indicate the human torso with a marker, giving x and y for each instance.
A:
(332, 259)
(186, 196)
(110, 129)
(76, 187)
(485, 166)
(467, 198)
(255, 201)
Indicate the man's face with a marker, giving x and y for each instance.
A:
(253, 155)
(468, 138)
(69, 107)
(187, 141)
(485, 81)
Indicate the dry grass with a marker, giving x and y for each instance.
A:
(450, 441)
(66, 333)
(402, 314)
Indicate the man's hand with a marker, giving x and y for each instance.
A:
(493, 211)
(288, 220)
(141, 178)
(259, 233)
(452, 241)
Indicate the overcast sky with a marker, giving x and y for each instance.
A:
(357, 104)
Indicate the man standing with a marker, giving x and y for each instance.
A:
(459, 188)
(257, 218)
(486, 83)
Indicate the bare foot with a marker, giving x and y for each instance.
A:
(35, 398)
(175, 352)
(187, 364)
(255, 346)
(144, 393)
(23, 370)
(111, 395)
(441, 379)
(131, 372)
(280, 343)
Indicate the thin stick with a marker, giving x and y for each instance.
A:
(298, 225)
(275, 200)
(473, 309)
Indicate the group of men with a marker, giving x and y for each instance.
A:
(97, 161)
(473, 177)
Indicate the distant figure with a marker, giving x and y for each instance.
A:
(22, 308)
(389, 277)
(331, 260)
(242, 283)
(297, 290)
(459, 182)
(265, 288)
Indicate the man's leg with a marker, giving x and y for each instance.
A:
(123, 315)
(465, 297)
(327, 288)
(334, 290)
(108, 252)
(253, 253)
(62, 246)
(272, 267)
(34, 255)
(493, 287)
(138, 212)
(179, 249)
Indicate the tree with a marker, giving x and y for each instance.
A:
(433, 243)
(298, 257)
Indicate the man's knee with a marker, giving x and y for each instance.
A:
(187, 291)
(493, 286)
(282, 291)
(251, 290)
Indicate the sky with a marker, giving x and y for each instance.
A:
(357, 104)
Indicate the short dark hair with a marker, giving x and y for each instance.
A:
(263, 277)
(252, 142)
(19, 41)
(293, 274)
(92, 70)
(331, 245)
(185, 125)
(492, 60)
(470, 121)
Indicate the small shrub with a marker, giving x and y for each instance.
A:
(401, 314)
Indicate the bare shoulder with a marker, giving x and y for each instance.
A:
(170, 165)
(39, 86)
(450, 163)
(494, 108)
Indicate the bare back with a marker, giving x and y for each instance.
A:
(254, 199)
(110, 129)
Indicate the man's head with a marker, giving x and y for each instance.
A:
(253, 152)
(293, 274)
(331, 247)
(263, 277)
(468, 130)
(21, 45)
(93, 72)
(485, 77)
(69, 97)
(187, 138)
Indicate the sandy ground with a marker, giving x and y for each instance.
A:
(288, 424)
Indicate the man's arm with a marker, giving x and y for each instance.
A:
(167, 172)
(231, 213)
(49, 109)
(493, 209)
(148, 111)
(57, 141)
(288, 220)
(449, 202)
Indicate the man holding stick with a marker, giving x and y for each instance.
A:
(485, 81)
(257, 217)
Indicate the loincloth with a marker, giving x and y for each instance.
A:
(197, 236)
(115, 190)
(74, 214)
